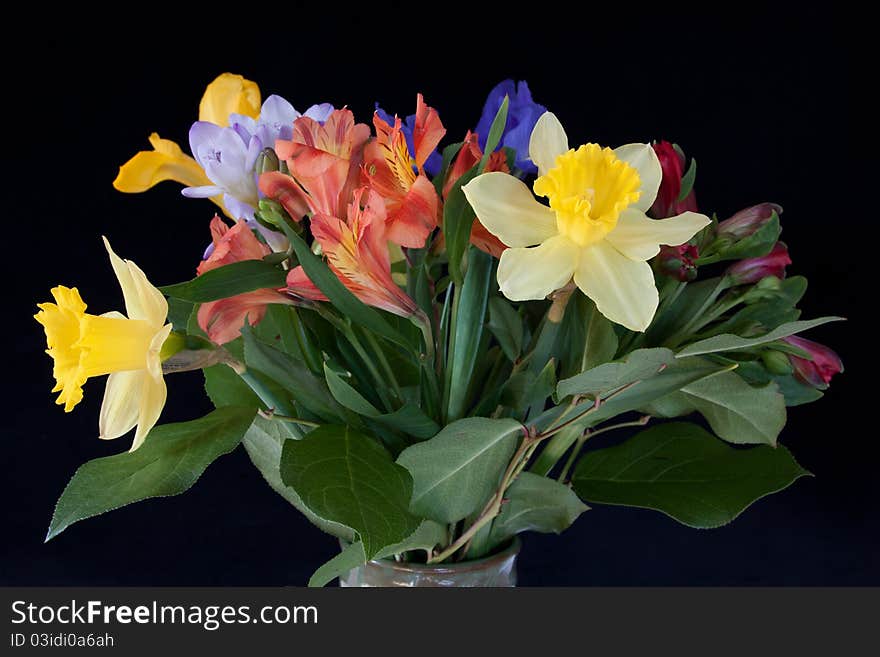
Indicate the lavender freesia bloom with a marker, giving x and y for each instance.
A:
(229, 154)
(522, 115)
(407, 125)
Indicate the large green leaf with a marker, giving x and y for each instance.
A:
(535, 503)
(729, 342)
(685, 472)
(171, 459)
(226, 388)
(227, 281)
(347, 477)
(428, 535)
(507, 327)
(468, 331)
(737, 412)
(264, 442)
(524, 389)
(636, 366)
(456, 471)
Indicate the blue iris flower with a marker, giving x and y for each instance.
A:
(522, 115)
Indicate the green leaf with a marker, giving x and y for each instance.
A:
(524, 389)
(555, 448)
(795, 392)
(729, 342)
(344, 301)
(687, 180)
(468, 331)
(179, 312)
(226, 388)
(456, 471)
(171, 459)
(458, 218)
(449, 154)
(738, 412)
(349, 478)
(535, 503)
(264, 442)
(496, 130)
(685, 472)
(428, 535)
(292, 375)
(227, 281)
(636, 366)
(758, 244)
(347, 395)
(507, 327)
(600, 340)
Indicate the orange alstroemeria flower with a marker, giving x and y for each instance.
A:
(222, 319)
(324, 162)
(399, 176)
(357, 252)
(469, 155)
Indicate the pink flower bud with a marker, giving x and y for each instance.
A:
(748, 221)
(667, 204)
(752, 270)
(822, 365)
(678, 262)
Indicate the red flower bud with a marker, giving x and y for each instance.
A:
(667, 204)
(748, 221)
(752, 270)
(822, 365)
(678, 262)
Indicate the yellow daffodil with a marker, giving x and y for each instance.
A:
(595, 229)
(228, 94)
(127, 348)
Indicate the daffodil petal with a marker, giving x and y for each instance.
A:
(644, 160)
(229, 94)
(153, 396)
(536, 272)
(623, 289)
(639, 238)
(548, 141)
(165, 162)
(121, 405)
(508, 210)
(142, 299)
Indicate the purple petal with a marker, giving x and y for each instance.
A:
(205, 191)
(201, 134)
(320, 112)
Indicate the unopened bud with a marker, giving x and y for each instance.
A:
(748, 221)
(776, 362)
(267, 160)
(752, 270)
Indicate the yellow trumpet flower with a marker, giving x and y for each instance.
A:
(227, 94)
(127, 348)
(595, 229)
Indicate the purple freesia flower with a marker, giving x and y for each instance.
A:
(407, 125)
(522, 115)
(229, 154)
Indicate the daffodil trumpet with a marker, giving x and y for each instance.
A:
(127, 347)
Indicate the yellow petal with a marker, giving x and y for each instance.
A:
(639, 238)
(109, 344)
(142, 299)
(153, 396)
(535, 273)
(548, 141)
(508, 210)
(165, 162)
(122, 402)
(644, 160)
(229, 94)
(622, 289)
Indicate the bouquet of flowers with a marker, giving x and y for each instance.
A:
(417, 345)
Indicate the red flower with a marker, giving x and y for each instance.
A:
(748, 221)
(822, 365)
(752, 270)
(679, 262)
(667, 203)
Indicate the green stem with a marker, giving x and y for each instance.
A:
(447, 378)
(383, 362)
(365, 357)
(697, 316)
(286, 418)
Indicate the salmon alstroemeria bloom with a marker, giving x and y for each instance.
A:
(594, 230)
(357, 252)
(399, 176)
(226, 95)
(222, 319)
(127, 348)
(324, 163)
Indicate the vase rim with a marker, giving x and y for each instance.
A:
(511, 550)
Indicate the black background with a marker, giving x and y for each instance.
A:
(759, 98)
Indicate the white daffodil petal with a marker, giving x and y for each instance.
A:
(153, 395)
(123, 275)
(622, 289)
(639, 237)
(152, 302)
(548, 141)
(534, 273)
(644, 160)
(121, 405)
(508, 210)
